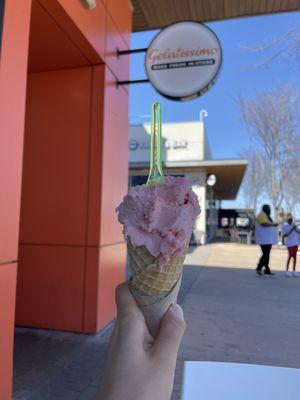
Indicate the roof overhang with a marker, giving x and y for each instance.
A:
(229, 173)
(157, 14)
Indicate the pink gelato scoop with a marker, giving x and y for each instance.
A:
(160, 217)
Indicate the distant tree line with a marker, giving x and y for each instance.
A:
(272, 120)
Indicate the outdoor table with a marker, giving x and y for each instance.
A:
(229, 381)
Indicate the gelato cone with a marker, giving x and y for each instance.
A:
(158, 222)
(147, 277)
(153, 288)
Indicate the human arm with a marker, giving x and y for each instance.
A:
(137, 366)
(294, 228)
(268, 224)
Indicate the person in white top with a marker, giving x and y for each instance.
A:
(291, 235)
(266, 234)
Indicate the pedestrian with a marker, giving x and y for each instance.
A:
(291, 236)
(266, 234)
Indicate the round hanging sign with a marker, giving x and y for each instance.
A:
(183, 60)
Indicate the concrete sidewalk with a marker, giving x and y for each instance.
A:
(231, 314)
(233, 255)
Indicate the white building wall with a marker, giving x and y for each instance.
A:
(207, 153)
(199, 187)
(182, 141)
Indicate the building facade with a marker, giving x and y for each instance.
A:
(62, 252)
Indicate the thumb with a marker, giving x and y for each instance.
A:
(130, 325)
(170, 335)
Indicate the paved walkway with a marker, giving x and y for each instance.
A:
(234, 255)
(231, 314)
(53, 365)
(234, 316)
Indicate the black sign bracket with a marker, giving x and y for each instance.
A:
(120, 53)
(120, 83)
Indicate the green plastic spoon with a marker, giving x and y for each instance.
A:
(155, 173)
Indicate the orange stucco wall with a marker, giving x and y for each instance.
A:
(71, 251)
(13, 71)
(8, 274)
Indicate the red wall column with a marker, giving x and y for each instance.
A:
(106, 250)
(13, 73)
(8, 274)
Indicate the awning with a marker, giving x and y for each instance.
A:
(229, 173)
(156, 14)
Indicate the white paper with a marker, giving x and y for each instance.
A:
(229, 381)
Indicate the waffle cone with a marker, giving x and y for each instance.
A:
(147, 277)
(153, 288)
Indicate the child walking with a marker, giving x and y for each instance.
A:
(291, 235)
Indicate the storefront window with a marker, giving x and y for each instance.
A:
(142, 179)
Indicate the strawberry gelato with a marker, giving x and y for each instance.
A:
(160, 217)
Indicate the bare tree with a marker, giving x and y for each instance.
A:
(292, 186)
(251, 187)
(272, 120)
(285, 47)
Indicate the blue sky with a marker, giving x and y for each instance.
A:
(226, 133)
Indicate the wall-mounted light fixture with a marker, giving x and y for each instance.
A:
(211, 180)
(89, 3)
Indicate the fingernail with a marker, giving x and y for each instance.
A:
(176, 309)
